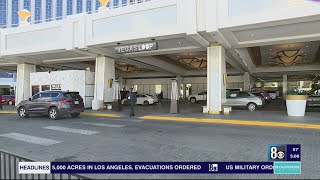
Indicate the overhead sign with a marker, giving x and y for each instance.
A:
(149, 46)
(55, 86)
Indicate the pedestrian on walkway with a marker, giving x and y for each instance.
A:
(132, 99)
(0, 102)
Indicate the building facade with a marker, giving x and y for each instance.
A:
(49, 10)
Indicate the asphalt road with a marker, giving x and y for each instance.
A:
(106, 139)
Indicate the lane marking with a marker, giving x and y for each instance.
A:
(234, 122)
(123, 120)
(101, 124)
(101, 115)
(71, 130)
(30, 139)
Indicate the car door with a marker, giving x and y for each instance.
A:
(33, 104)
(232, 99)
(243, 99)
(44, 101)
(139, 99)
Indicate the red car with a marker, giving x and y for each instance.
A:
(8, 99)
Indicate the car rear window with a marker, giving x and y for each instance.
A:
(72, 95)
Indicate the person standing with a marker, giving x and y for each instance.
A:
(132, 99)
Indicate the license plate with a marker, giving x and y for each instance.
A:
(76, 102)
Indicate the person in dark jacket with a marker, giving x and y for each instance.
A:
(132, 99)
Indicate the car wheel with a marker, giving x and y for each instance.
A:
(75, 115)
(146, 103)
(193, 100)
(53, 113)
(23, 112)
(10, 103)
(252, 106)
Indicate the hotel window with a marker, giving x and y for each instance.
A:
(27, 5)
(48, 10)
(79, 6)
(3, 13)
(59, 9)
(89, 6)
(15, 16)
(69, 7)
(97, 4)
(37, 16)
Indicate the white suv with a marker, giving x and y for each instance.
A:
(199, 97)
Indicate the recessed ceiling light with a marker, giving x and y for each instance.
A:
(305, 54)
(269, 62)
(307, 46)
(252, 35)
(270, 57)
(270, 49)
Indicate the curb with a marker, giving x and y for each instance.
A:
(233, 122)
(8, 112)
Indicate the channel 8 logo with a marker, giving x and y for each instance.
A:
(277, 152)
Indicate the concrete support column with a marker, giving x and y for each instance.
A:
(284, 84)
(179, 80)
(104, 74)
(246, 83)
(216, 79)
(23, 88)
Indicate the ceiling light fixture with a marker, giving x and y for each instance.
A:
(194, 62)
(288, 57)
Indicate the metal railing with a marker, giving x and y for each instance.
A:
(110, 6)
(9, 163)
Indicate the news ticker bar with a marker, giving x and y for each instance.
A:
(159, 167)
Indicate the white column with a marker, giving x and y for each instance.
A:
(74, 6)
(104, 71)
(64, 9)
(54, 9)
(284, 84)
(246, 83)
(23, 88)
(216, 81)
(32, 10)
(84, 5)
(43, 11)
(94, 6)
(21, 4)
(9, 13)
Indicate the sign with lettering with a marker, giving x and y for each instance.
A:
(149, 46)
(55, 86)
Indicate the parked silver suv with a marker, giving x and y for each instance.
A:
(52, 103)
(245, 99)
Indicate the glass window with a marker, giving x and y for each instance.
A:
(27, 5)
(3, 12)
(45, 87)
(59, 9)
(69, 7)
(79, 6)
(48, 10)
(35, 90)
(37, 96)
(44, 95)
(37, 16)
(89, 6)
(97, 4)
(14, 14)
(54, 95)
(244, 94)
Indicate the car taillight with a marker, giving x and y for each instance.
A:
(65, 101)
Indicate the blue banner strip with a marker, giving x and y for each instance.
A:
(162, 167)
